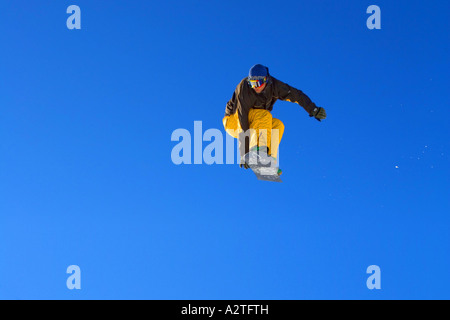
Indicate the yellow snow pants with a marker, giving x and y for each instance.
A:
(264, 129)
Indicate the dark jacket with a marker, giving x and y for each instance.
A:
(244, 98)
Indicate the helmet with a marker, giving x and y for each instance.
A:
(258, 75)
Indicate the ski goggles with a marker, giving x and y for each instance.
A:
(256, 82)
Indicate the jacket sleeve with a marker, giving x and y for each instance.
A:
(230, 109)
(287, 93)
(241, 102)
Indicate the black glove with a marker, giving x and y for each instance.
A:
(319, 113)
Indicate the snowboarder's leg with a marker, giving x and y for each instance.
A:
(265, 131)
(268, 131)
(231, 125)
(277, 134)
(261, 122)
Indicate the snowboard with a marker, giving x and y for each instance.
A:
(262, 166)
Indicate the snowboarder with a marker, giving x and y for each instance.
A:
(248, 117)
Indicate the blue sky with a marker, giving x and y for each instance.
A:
(86, 176)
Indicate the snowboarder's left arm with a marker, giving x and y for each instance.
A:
(287, 93)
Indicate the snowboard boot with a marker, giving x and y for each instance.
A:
(264, 158)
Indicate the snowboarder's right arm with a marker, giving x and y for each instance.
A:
(230, 109)
(241, 103)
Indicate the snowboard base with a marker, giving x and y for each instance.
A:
(262, 167)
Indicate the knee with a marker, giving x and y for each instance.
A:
(278, 124)
(230, 123)
(224, 121)
(259, 115)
